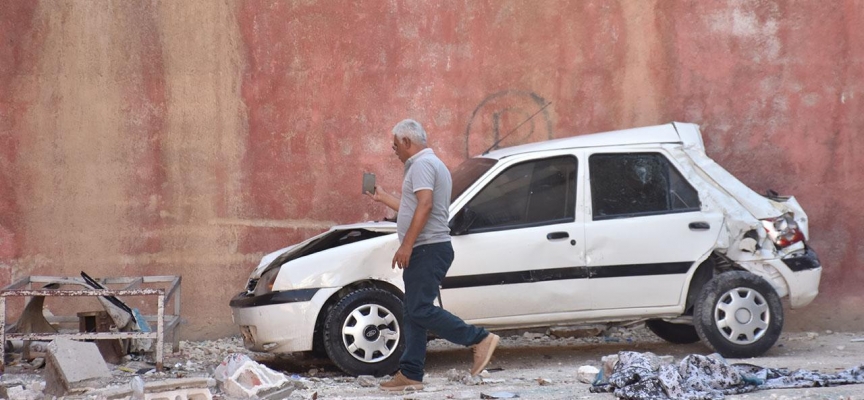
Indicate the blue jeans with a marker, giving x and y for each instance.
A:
(427, 267)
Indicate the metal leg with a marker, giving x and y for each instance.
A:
(160, 332)
(2, 335)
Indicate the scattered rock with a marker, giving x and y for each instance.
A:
(587, 373)
(367, 381)
(812, 335)
(463, 377)
(533, 335)
(499, 395)
(544, 381)
(841, 347)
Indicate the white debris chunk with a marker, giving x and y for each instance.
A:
(587, 373)
(243, 378)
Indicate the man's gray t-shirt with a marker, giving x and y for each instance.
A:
(424, 171)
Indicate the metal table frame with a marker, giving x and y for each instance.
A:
(24, 287)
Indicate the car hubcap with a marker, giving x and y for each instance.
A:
(370, 333)
(742, 315)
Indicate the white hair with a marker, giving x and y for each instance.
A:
(412, 130)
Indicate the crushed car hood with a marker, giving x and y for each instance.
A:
(382, 227)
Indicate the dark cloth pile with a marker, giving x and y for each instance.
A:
(642, 376)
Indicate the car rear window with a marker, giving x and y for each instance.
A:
(634, 184)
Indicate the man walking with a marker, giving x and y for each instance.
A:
(425, 255)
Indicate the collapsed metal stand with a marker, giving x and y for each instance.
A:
(169, 323)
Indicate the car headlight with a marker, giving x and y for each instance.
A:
(265, 283)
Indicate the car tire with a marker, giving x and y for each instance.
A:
(738, 315)
(673, 333)
(363, 333)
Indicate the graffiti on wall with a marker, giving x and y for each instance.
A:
(500, 113)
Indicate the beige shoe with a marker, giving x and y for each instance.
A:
(401, 383)
(483, 353)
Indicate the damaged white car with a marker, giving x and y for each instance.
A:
(631, 225)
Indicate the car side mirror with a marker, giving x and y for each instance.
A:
(460, 224)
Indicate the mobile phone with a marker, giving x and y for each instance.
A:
(368, 183)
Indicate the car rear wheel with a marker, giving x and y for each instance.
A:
(738, 314)
(362, 333)
(673, 333)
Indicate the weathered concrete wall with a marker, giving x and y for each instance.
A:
(168, 137)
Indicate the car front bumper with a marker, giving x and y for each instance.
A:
(281, 321)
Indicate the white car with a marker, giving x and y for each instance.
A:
(630, 225)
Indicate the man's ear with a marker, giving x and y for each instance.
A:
(407, 143)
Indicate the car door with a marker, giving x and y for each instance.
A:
(519, 244)
(644, 231)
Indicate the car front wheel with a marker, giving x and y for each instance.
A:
(738, 314)
(362, 332)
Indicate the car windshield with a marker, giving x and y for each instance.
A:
(468, 172)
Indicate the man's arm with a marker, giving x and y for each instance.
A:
(388, 199)
(418, 221)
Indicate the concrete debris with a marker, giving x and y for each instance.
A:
(72, 367)
(20, 393)
(367, 381)
(533, 336)
(609, 364)
(544, 381)
(576, 331)
(841, 347)
(137, 389)
(587, 374)
(243, 378)
(499, 395)
(857, 340)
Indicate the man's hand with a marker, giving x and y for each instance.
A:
(402, 256)
(377, 196)
(382, 196)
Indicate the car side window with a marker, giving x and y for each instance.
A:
(532, 193)
(634, 184)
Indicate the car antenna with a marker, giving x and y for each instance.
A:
(514, 129)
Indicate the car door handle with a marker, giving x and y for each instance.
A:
(557, 235)
(699, 226)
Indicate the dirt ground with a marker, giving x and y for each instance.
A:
(521, 361)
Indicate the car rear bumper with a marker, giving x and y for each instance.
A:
(279, 322)
(803, 287)
(803, 277)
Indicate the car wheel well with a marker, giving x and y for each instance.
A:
(715, 264)
(318, 334)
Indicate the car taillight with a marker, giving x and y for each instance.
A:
(783, 230)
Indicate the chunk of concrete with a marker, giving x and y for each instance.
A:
(252, 379)
(73, 367)
(587, 374)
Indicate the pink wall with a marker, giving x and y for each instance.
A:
(192, 137)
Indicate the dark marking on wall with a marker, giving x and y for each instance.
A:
(499, 113)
